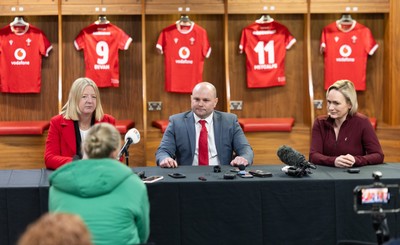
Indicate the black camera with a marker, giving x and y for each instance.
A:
(376, 198)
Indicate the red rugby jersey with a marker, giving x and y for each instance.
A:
(100, 43)
(346, 52)
(185, 49)
(265, 45)
(21, 51)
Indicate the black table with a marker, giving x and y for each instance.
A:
(316, 209)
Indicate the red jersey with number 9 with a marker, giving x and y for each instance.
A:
(265, 45)
(101, 43)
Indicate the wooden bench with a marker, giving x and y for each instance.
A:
(275, 124)
(22, 144)
(23, 127)
(161, 124)
(257, 124)
(266, 124)
(38, 127)
(124, 125)
(248, 124)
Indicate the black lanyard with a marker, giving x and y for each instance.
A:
(79, 139)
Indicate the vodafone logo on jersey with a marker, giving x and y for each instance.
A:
(20, 55)
(184, 53)
(345, 51)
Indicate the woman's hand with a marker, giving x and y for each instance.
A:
(345, 161)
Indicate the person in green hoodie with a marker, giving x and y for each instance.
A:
(109, 197)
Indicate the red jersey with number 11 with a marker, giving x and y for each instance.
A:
(101, 43)
(265, 45)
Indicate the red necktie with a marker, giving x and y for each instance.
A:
(203, 144)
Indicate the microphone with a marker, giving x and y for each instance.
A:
(131, 137)
(291, 157)
(299, 166)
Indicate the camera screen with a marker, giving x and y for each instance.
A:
(375, 196)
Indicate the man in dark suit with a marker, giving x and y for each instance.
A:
(180, 143)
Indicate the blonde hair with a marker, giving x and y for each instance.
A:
(56, 229)
(71, 109)
(346, 88)
(102, 139)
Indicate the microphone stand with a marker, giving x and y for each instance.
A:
(299, 171)
(305, 170)
(124, 151)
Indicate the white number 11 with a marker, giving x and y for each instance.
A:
(269, 48)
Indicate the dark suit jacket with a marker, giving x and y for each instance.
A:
(179, 139)
(61, 141)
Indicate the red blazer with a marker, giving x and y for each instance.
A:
(61, 141)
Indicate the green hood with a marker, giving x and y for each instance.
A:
(90, 177)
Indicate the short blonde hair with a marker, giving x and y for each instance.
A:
(102, 139)
(346, 87)
(56, 229)
(71, 109)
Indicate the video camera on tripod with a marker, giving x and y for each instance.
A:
(377, 200)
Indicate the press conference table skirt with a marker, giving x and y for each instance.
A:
(316, 209)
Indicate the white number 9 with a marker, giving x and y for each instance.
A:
(102, 51)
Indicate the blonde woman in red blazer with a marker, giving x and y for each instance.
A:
(68, 129)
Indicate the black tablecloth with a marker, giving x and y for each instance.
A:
(316, 209)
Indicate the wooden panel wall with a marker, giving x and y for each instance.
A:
(142, 80)
(126, 102)
(392, 70)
